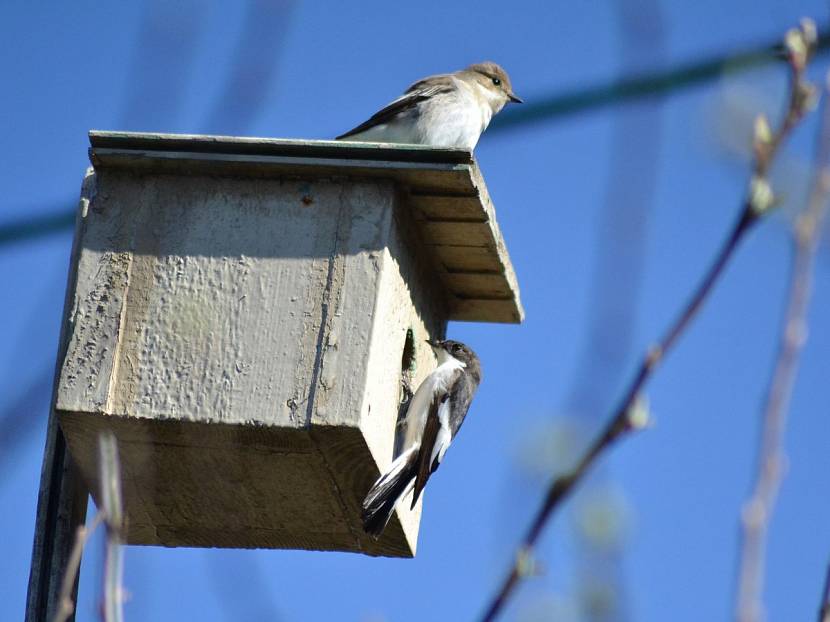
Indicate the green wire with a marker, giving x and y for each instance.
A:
(543, 109)
(646, 85)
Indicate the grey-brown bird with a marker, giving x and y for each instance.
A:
(445, 110)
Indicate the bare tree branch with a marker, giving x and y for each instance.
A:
(111, 514)
(758, 509)
(627, 417)
(70, 577)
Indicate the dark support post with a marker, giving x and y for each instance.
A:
(61, 510)
(62, 499)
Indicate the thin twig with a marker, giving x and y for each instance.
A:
(82, 535)
(824, 607)
(111, 514)
(758, 509)
(111, 508)
(628, 417)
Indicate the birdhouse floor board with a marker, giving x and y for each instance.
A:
(207, 485)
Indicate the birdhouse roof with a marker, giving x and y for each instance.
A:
(443, 187)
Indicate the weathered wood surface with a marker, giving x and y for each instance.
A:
(62, 498)
(443, 189)
(243, 339)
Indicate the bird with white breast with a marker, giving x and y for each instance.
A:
(435, 414)
(445, 110)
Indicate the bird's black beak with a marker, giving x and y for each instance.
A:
(515, 98)
(434, 344)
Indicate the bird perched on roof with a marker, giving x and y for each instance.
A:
(432, 421)
(445, 110)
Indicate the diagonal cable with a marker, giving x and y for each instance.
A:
(546, 108)
(642, 85)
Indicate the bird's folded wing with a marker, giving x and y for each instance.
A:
(435, 439)
(418, 92)
(461, 394)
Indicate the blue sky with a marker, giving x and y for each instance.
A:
(673, 167)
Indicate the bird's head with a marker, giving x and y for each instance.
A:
(448, 348)
(494, 82)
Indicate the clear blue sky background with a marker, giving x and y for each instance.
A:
(71, 67)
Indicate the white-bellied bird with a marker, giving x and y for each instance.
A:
(445, 110)
(434, 416)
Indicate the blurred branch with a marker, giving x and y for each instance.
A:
(630, 415)
(110, 513)
(758, 509)
(25, 229)
(168, 37)
(70, 577)
(254, 66)
(651, 84)
(614, 294)
(111, 506)
(824, 608)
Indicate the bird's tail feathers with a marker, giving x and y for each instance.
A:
(381, 499)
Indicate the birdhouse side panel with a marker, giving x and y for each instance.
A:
(409, 308)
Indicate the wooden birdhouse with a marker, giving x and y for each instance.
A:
(244, 315)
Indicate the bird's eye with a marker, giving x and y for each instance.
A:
(497, 81)
(456, 348)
